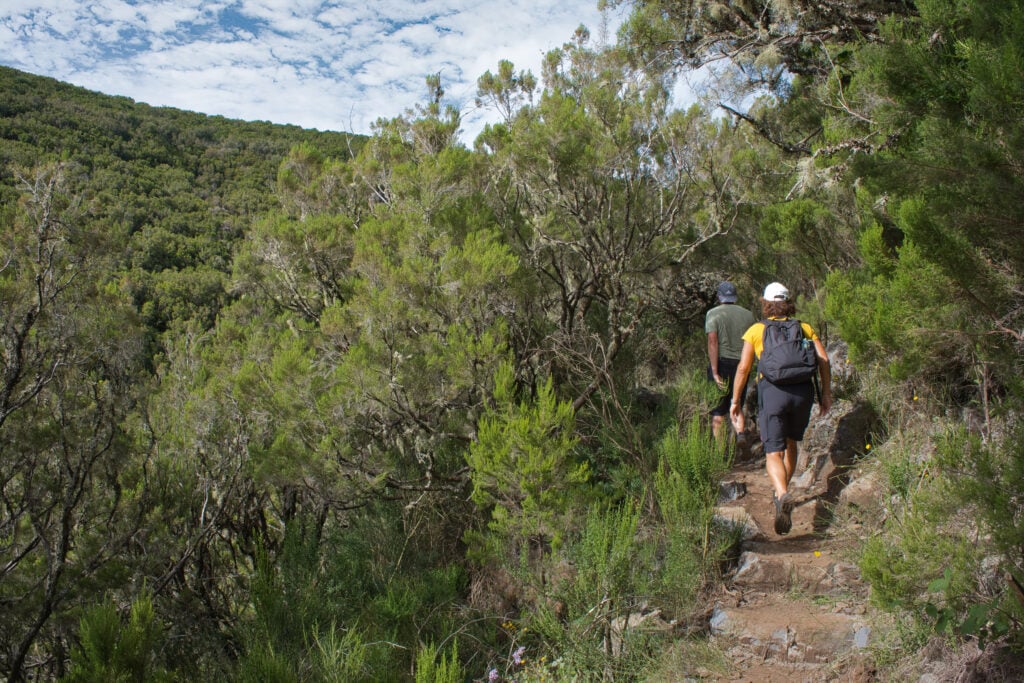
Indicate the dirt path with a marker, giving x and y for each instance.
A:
(793, 609)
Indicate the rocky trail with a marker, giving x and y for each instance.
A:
(794, 608)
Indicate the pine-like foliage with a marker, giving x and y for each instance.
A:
(943, 205)
(113, 651)
(691, 463)
(523, 466)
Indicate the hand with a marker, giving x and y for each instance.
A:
(739, 421)
(719, 380)
(826, 404)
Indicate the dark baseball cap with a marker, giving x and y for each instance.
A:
(727, 292)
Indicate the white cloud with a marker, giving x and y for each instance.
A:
(327, 64)
(167, 17)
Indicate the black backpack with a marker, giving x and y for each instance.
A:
(787, 357)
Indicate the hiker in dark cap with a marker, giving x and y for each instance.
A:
(725, 325)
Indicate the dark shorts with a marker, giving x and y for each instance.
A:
(783, 412)
(727, 371)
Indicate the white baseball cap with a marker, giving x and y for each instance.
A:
(776, 292)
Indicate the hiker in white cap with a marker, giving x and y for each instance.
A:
(790, 355)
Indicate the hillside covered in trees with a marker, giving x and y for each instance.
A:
(287, 405)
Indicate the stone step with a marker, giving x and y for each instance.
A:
(805, 566)
(759, 524)
(797, 632)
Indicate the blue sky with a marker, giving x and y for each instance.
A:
(325, 64)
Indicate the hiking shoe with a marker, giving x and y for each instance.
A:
(783, 508)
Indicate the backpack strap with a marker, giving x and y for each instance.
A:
(778, 323)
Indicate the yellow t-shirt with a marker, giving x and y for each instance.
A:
(755, 335)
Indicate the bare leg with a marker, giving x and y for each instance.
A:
(778, 473)
(780, 466)
(716, 424)
(790, 461)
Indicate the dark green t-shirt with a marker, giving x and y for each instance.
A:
(730, 321)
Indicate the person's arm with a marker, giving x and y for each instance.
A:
(713, 358)
(742, 373)
(825, 372)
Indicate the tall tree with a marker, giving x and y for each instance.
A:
(944, 229)
(358, 361)
(605, 194)
(71, 486)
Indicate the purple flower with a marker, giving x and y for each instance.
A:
(492, 675)
(517, 656)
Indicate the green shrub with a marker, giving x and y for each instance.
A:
(523, 468)
(111, 651)
(692, 464)
(580, 627)
(339, 657)
(949, 552)
(901, 317)
(624, 564)
(986, 481)
(919, 540)
(430, 669)
(350, 604)
(695, 396)
(903, 473)
(263, 665)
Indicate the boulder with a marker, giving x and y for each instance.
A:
(844, 376)
(830, 446)
(739, 517)
(864, 490)
(731, 490)
(647, 621)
